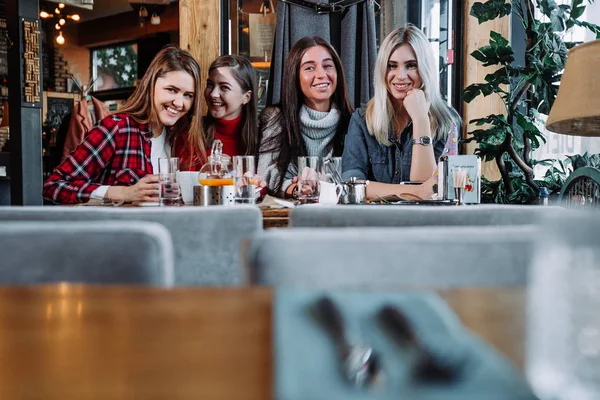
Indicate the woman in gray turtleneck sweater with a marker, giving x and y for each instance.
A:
(311, 119)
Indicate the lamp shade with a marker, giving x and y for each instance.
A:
(576, 110)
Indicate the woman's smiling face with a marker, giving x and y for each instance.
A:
(224, 95)
(318, 78)
(173, 97)
(402, 72)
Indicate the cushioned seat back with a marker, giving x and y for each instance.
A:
(386, 215)
(86, 252)
(391, 257)
(206, 240)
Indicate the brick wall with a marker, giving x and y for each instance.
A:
(61, 71)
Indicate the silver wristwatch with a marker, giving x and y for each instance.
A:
(423, 140)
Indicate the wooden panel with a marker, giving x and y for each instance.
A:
(276, 218)
(199, 32)
(475, 36)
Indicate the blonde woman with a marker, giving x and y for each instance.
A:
(401, 133)
(118, 157)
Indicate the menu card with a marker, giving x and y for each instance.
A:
(470, 163)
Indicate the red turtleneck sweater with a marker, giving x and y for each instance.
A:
(229, 132)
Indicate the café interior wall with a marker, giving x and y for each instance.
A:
(78, 57)
(78, 62)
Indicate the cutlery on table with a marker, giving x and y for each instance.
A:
(360, 364)
(429, 365)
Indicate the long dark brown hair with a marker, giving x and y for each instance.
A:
(141, 103)
(245, 75)
(289, 143)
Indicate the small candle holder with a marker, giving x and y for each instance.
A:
(459, 194)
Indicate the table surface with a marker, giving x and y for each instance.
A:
(276, 217)
(93, 342)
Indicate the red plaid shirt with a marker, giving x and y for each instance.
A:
(115, 152)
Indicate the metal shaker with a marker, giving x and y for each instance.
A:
(355, 191)
(213, 195)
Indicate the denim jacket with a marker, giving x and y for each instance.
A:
(365, 158)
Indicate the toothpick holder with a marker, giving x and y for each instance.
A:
(459, 194)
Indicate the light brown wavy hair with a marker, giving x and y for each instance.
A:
(140, 104)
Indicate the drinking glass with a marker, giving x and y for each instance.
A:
(243, 179)
(309, 173)
(169, 191)
(563, 321)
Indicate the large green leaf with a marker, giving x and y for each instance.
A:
(592, 27)
(585, 160)
(495, 119)
(500, 77)
(555, 13)
(493, 135)
(497, 39)
(474, 90)
(577, 9)
(529, 128)
(559, 52)
(497, 52)
(490, 10)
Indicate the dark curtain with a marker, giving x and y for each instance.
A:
(352, 34)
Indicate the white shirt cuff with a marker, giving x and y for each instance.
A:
(99, 192)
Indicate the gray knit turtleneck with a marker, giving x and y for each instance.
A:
(318, 129)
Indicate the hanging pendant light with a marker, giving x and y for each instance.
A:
(60, 39)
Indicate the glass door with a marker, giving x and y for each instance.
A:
(251, 30)
(437, 24)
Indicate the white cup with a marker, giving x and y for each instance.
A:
(187, 180)
(330, 193)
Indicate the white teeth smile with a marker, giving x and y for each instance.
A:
(172, 110)
(401, 86)
(216, 104)
(321, 85)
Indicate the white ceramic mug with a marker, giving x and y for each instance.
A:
(330, 193)
(187, 180)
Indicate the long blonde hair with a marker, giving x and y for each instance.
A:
(380, 110)
(141, 103)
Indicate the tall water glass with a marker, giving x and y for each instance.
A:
(243, 179)
(563, 329)
(169, 190)
(309, 174)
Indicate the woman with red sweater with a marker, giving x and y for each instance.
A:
(230, 96)
(232, 117)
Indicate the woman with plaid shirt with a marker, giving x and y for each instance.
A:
(117, 159)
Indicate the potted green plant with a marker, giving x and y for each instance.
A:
(526, 90)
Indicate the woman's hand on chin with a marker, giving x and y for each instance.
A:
(145, 190)
(416, 105)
